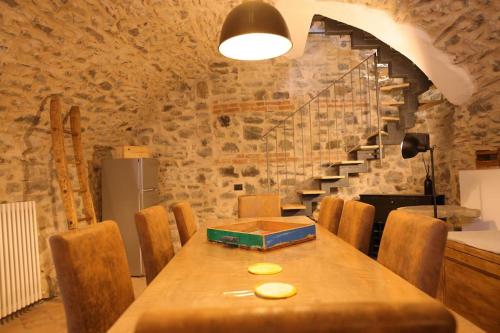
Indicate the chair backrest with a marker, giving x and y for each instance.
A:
(154, 238)
(93, 276)
(261, 205)
(330, 212)
(184, 218)
(333, 317)
(413, 246)
(356, 224)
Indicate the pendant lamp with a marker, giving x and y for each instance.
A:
(254, 30)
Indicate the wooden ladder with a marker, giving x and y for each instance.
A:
(63, 177)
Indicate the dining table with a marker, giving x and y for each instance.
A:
(326, 270)
(457, 216)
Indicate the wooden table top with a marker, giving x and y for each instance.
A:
(443, 211)
(324, 270)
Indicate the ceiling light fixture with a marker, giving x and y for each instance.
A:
(254, 30)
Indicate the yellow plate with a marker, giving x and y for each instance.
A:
(264, 268)
(275, 290)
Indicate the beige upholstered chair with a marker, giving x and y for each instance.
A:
(330, 212)
(356, 224)
(412, 246)
(334, 317)
(93, 276)
(154, 238)
(262, 205)
(184, 218)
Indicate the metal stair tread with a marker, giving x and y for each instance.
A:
(389, 118)
(395, 86)
(348, 162)
(364, 148)
(311, 192)
(394, 103)
(329, 177)
(293, 206)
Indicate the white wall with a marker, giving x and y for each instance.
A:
(480, 189)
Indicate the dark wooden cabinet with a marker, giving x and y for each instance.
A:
(384, 204)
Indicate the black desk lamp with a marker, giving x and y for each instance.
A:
(414, 143)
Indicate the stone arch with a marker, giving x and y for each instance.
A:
(453, 81)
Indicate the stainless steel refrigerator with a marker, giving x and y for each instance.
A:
(129, 185)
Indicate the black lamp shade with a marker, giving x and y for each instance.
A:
(414, 143)
(254, 30)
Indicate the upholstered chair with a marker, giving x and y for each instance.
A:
(93, 276)
(413, 246)
(184, 218)
(333, 317)
(356, 224)
(154, 238)
(262, 205)
(329, 213)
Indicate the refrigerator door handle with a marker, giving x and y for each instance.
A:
(140, 200)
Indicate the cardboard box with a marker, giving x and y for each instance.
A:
(132, 152)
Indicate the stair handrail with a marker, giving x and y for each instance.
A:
(369, 61)
(281, 122)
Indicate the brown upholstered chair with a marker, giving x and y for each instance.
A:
(154, 238)
(329, 317)
(184, 218)
(356, 224)
(262, 205)
(412, 246)
(330, 212)
(93, 276)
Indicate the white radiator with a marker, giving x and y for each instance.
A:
(19, 259)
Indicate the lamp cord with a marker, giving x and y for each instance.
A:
(426, 166)
(431, 149)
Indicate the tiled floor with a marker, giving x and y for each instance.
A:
(48, 315)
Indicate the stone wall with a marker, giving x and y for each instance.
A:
(119, 61)
(149, 74)
(42, 55)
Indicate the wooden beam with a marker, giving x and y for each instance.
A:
(88, 205)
